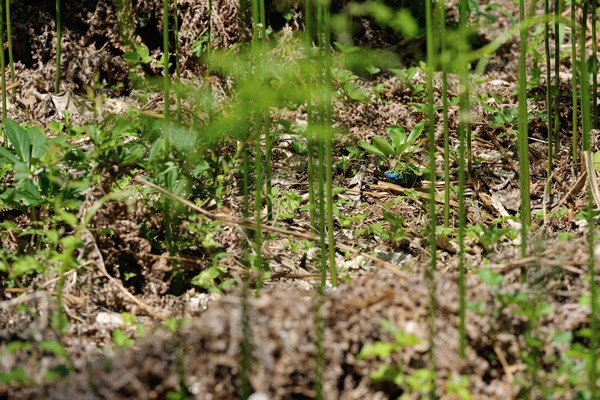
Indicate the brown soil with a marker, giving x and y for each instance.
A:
(203, 355)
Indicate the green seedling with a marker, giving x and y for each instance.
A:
(141, 55)
(413, 383)
(399, 144)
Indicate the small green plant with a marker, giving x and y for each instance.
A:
(409, 82)
(400, 142)
(214, 278)
(413, 383)
(347, 81)
(122, 339)
(391, 228)
(489, 235)
(140, 55)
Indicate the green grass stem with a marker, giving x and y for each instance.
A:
(3, 66)
(463, 127)
(177, 66)
(58, 47)
(523, 133)
(574, 82)
(166, 58)
(11, 62)
(594, 66)
(586, 125)
(432, 49)
(556, 96)
(549, 96)
(329, 146)
(441, 4)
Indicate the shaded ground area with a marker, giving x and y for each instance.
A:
(203, 356)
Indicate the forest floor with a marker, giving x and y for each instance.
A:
(147, 340)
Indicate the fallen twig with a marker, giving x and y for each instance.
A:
(251, 224)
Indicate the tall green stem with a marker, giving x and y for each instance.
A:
(432, 48)
(586, 125)
(549, 108)
(309, 32)
(9, 43)
(177, 67)
(329, 147)
(442, 21)
(574, 81)
(166, 58)
(556, 114)
(3, 66)
(594, 72)
(523, 134)
(463, 126)
(58, 47)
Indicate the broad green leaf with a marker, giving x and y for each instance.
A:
(356, 93)
(143, 51)
(371, 149)
(19, 139)
(39, 142)
(383, 145)
(131, 57)
(377, 349)
(414, 134)
(397, 134)
(54, 347)
(386, 373)
(7, 157)
(29, 194)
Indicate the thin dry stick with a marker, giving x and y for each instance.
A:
(148, 309)
(248, 223)
(505, 366)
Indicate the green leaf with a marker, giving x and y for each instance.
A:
(357, 93)
(54, 347)
(414, 134)
(386, 373)
(143, 51)
(383, 145)
(19, 139)
(28, 194)
(404, 23)
(562, 337)
(7, 157)
(131, 57)
(39, 142)
(371, 149)
(490, 277)
(397, 134)
(15, 375)
(121, 339)
(377, 349)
